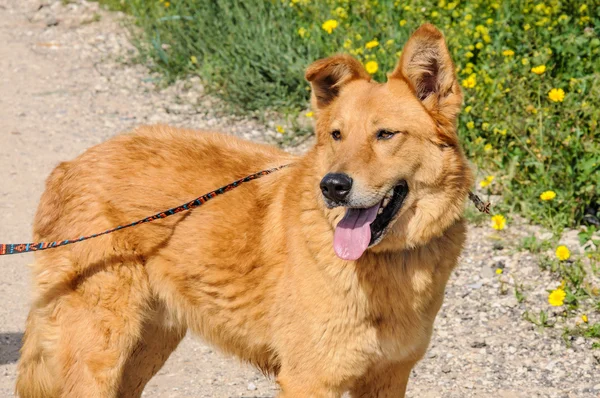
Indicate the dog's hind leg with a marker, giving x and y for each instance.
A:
(157, 342)
(84, 327)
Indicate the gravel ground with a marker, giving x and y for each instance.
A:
(65, 85)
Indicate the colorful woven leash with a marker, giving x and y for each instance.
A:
(16, 248)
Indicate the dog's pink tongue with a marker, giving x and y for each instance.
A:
(353, 233)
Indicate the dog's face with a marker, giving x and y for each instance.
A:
(390, 159)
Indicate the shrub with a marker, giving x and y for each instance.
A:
(530, 72)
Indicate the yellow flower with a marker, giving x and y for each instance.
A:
(479, 45)
(372, 44)
(478, 140)
(167, 4)
(508, 53)
(498, 222)
(584, 318)
(485, 126)
(469, 54)
(341, 12)
(487, 38)
(468, 109)
(556, 95)
(194, 59)
(347, 43)
(562, 253)
(486, 181)
(403, 22)
(468, 17)
(302, 32)
(371, 67)
(389, 42)
(470, 81)
(538, 70)
(583, 8)
(526, 27)
(498, 271)
(548, 195)
(435, 14)
(309, 114)
(280, 129)
(329, 25)
(489, 21)
(487, 147)
(471, 125)
(557, 297)
(525, 61)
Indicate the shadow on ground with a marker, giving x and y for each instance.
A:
(10, 344)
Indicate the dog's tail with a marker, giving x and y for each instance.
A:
(35, 377)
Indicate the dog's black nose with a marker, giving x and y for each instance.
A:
(336, 186)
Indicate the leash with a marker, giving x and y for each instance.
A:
(17, 248)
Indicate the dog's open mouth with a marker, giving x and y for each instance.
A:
(363, 228)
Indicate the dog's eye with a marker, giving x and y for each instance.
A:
(336, 135)
(385, 134)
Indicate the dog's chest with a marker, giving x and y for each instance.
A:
(399, 310)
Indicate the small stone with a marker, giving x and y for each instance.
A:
(476, 285)
(478, 344)
(251, 387)
(51, 21)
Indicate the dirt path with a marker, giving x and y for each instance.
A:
(64, 88)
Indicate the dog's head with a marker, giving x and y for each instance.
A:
(391, 163)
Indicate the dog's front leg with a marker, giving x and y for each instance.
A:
(384, 381)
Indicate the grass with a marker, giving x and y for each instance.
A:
(253, 55)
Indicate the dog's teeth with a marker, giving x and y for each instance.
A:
(380, 210)
(386, 201)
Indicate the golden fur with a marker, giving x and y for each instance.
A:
(253, 272)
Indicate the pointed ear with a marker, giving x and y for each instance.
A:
(427, 67)
(327, 76)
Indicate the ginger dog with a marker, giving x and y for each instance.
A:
(327, 274)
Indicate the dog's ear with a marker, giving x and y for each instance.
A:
(427, 67)
(327, 76)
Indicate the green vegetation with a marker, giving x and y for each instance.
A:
(510, 56)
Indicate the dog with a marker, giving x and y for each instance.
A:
(327, 275)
